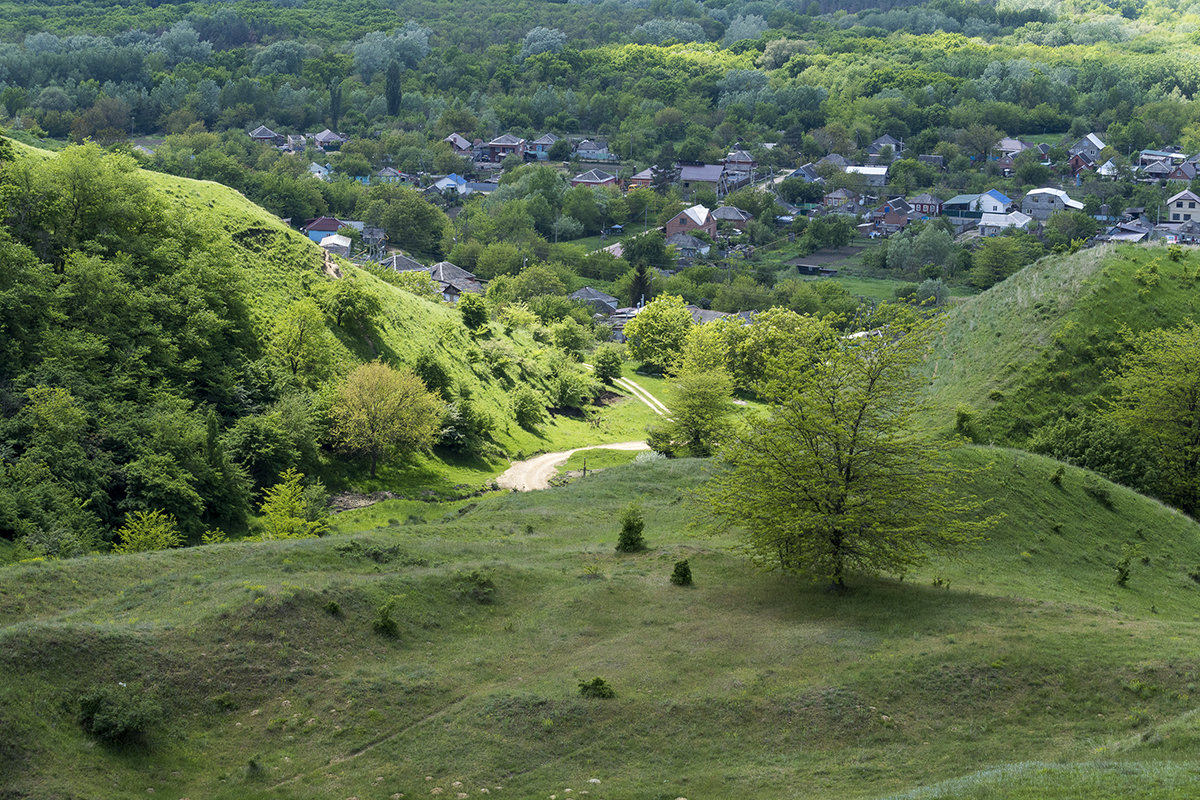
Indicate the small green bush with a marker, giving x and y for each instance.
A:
(1057, 477)
(333, 609)
(478, 586)
(682, 576)
(607, 360)
(117, 714)
(1124, 564)
(385, 624)
(632, 525)
(528, 407)
(596, 687)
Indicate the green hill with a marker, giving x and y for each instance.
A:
(140, 319)
(278, 675)
(1036, 346)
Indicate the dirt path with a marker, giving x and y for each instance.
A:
(535, 473)
(639, 393)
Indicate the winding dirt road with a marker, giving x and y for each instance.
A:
(535, 473)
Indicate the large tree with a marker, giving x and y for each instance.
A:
(380, 412)
(834, 479)
(656, 335)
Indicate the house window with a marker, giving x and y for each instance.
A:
(1191, 205)
(1174, 217)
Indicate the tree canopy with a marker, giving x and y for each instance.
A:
(834, 479)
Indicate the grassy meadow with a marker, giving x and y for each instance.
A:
(1018, 662)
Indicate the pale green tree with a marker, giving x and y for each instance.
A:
(148, 530)
(380, 412)
(700, 403)
(656, 335)
(287, 512)
(834, 479)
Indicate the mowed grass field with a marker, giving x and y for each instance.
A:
(1015, 668)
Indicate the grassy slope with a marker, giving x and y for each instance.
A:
(281, 266)
(1038, 344)
(747, 685)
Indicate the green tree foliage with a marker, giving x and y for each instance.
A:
(380, 412)
(528, 406)
(633, 523)
(301, 343)
(700, 404)
(607, 361)
(148, 530)
(656, 335)
(474, 311)
(834, 479)
(1157, 403)
(1001, 256)
(350, 302)
(287, 512)
(1067, 227)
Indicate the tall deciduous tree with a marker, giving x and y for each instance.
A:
(392, 89)
(701, 401)
(1158, 402)
(834, 479)
(656, 335)
(301, 342)
(380, 412)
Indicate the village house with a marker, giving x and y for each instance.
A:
(694, 178)
(935, 161)
(740, 161)
(838, 198)
(1183, 173)
(734, 216)
(876, 147)
(696, 218)
(501, 147)
(317, 229)
(642, 180)
(319, 171)
(264, 135)
(875, 175)
(459, 144)
(687, 247)
(328, 140)
(540, 149)
(1041, 203)
(1182, 207)
(973, 205)
(594, 177)
(336, 244)
(600, 302)
(926, 205)
(1089, 146)
(993, 224)
(588, 150)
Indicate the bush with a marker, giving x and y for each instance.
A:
(385, 624)
(478, 586)
(528, 408)
(607, 360)
(596, 687)
(682, 576)
(148, 530)
(432, 372)
(474, 311)
(632, 525)
(117, 714)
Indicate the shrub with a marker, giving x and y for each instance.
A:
(333, 609)
(478, 586)
(527, 406)
(1124, 564)
(117, 714)
(607, 360)
(1057, 477)
(385, 624)
(474, 311)
(682, 576)
(632, 525)
(432, 372)
(596, 687)
(148, 530)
